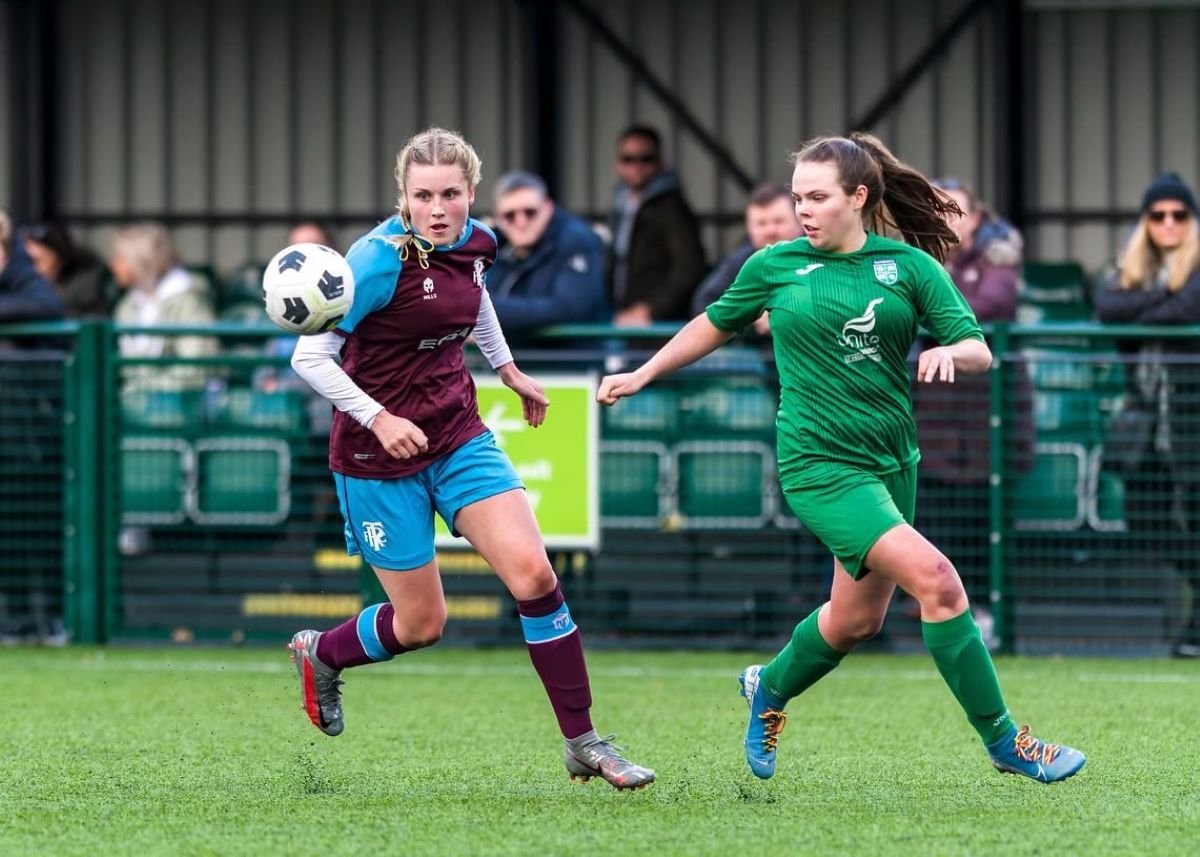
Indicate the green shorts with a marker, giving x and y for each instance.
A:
(848, 509)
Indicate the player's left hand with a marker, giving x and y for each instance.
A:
(533, 395)
(936, 364)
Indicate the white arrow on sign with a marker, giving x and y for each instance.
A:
(495, 421)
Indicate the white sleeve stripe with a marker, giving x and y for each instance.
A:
(488, 335)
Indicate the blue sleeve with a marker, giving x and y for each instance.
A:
(577, 292)
(376, 266)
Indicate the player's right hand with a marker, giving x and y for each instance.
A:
(613, 387)
(401, 438)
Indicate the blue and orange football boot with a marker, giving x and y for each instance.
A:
(767, 719)
(1018, 752)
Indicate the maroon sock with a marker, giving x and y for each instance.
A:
(365, 639)
(557, 655)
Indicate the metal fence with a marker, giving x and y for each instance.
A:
(190, 499)
(32, 472)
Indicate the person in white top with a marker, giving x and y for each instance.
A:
(158, 292)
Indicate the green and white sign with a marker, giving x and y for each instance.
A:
(558, 461)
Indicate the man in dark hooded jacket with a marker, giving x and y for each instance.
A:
(656, 258)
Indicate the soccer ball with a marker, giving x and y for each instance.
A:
(308, 288)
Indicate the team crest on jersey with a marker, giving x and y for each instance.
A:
(430, 294)
(887, 272)
(477, 276)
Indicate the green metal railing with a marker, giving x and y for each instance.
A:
(161, 511)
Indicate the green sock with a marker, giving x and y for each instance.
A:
(804, 660)
(965, 664)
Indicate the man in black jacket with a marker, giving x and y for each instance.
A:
(656, 256)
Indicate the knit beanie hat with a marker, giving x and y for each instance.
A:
(1168, 186)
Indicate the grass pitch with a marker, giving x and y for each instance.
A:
(190, 752)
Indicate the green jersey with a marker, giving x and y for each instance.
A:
(843, 325)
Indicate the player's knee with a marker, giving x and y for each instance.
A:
(848, 628)
(423, 632)
(941, 588)
(859, 629)
(423, 638)
(532, 577)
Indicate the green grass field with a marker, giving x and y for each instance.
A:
(183, 752)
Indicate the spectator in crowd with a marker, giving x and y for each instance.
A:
(25, 295)
(981, 229)
(246, 305)
(1157, 281)
(953, 422)
(158, 292)
(79, 275)
(311, 232)
(241, 294)
(656, 256)
(30, 591)
(770, 218)
(283, 379)
(551, 268)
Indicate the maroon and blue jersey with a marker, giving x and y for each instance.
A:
(404, 345)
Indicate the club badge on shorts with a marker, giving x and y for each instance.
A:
(886, 271)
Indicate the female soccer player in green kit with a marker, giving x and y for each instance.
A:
(845, 305)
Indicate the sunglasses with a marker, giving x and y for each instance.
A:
(648, 158)
(1179, 215)
(511, 216)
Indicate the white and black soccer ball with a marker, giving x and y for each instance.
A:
(308, 288)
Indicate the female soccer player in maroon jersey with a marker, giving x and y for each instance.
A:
(407, 439)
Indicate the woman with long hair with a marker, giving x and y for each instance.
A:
(1157, 281)
(845, 305)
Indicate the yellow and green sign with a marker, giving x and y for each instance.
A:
(557, 461)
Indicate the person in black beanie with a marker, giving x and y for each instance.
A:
(1158, 282)
(1168, 187)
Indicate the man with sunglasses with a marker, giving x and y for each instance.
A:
(656, 256)
(551, 267)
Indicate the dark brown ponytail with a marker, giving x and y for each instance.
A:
(899, 198)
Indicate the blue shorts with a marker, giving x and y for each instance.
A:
(390, 521)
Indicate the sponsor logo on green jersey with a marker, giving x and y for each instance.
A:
(858, 334)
